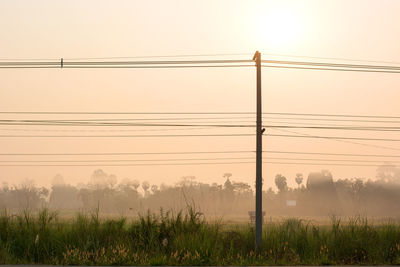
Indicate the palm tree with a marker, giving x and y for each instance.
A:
(299, 179)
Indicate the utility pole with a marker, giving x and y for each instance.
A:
(259, 219)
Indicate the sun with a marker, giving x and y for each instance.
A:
(279, 27)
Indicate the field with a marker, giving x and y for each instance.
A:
(187, 238)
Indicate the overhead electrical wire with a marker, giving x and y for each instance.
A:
(339, 140)
(123, 136)
(321, 164)
(331, 65)
(330, 119)
(128, 153)
(336, 137)
(105, 131)
(331, 154)
(201, 63)
(196, 113)
(130, 57)
(333, 58)
(183, 164)
(164, 56)
(197, 127)
(203, 55)
(198, 152)
(156, 119)
(129, 160)
(328, 160)
(129, 67)
(331, 115)
(330, 69)
(124, 113)
(189, 159)
(121, 165)
(111, 63)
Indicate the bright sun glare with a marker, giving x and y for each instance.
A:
(280, 27)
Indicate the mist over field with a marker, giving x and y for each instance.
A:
(315, 194)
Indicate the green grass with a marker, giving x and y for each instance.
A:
(185, 238)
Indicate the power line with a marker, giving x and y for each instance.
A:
(130, 122)
(200, 55)
(320, 124)
(123, 113)
(196, 152)
(320, 164)
(154, 119)
(332, 154)
(328, 160)
(183, 164)
(118, 63)
(131, 160)
(196, 62)
(202, 63)
(203, 120)
(333, 58)
(335, 137)
(123, 136)
(129, 57)
(350, 128)
(196, 113)
(186, 159)
(342, 141)
(128, 153)
(333, 65)
(165, 56)
(331, 115)
(105, 131)
(128, 67)
(198, 127)
(329, 119)
(122, 165)
(88, 123)
(331, 69)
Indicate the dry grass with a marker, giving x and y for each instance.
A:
(187, 238)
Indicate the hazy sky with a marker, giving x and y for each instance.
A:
(368, 30)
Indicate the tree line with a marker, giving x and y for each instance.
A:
(318, 195)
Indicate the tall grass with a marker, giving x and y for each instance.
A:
(185, 238)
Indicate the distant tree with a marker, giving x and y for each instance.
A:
(388, 173)
(227, 175)
(145, 186)
(322, 193)
(135, 184)
(241, 188)
(98, 179)
(64, 196)
(111, 180)
(187, 181)
(228, 185)
(163, 187)
(58, 180)
(154, 188)
(299, 179)
(28, 196)
(320, 181)
(280, 182)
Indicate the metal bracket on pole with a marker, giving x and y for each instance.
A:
(62, 62)
(260, 131)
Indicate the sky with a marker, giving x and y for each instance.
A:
(344, 30)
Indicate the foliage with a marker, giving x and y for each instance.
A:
(185, 238)
(318, 195)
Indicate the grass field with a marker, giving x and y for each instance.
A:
(186, 238)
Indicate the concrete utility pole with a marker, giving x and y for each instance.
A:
(259, 221)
